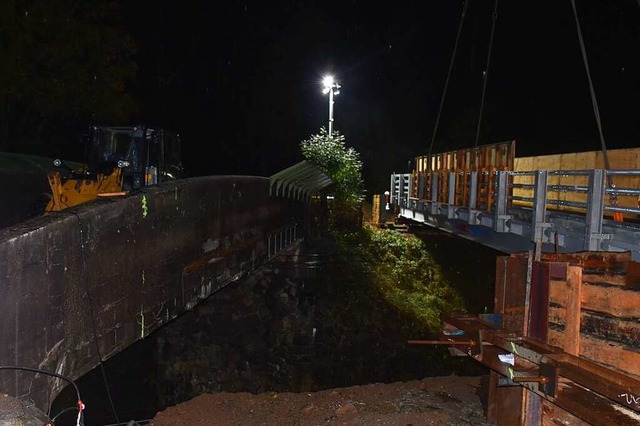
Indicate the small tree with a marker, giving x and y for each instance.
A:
(341, 164)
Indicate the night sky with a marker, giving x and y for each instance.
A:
(241, 80)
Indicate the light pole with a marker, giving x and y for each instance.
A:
(332, 88)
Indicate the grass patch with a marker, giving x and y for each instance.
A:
(398, 268)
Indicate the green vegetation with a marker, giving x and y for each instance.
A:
(377, 269)
(400, 269)
(330, 154)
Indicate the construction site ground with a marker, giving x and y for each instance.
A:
(448, 400)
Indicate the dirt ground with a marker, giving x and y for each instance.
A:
(432, 401)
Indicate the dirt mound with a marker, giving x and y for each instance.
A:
(433, 401)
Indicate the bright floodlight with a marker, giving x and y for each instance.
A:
(328, 82)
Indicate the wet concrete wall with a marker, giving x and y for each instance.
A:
(115, 270)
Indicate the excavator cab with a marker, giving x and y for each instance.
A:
(118, 159)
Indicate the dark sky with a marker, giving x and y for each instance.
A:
(241, 79)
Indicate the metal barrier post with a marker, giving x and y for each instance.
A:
(539, 206)
(595, 209)
(421, 184)
(473, 198)
(452, 195)
(393, 195)
(434, 193)
(500, 203)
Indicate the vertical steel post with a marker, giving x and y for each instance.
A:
(409, 189)
(500, 203)
(434, 192)
(595, 210)
(451, 199)
(421, 183)
(392, 189)
(539, 206)
(331, 112)
(400, 190)
(473, 191)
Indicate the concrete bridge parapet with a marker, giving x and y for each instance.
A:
(107, 274)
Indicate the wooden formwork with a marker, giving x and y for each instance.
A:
(584, 305)
(594, 309)
(484, 159)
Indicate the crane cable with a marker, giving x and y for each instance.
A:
(446, 84)
(486, 70)
(617, 216)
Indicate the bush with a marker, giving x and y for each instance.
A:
(330, 154)
(400, 269)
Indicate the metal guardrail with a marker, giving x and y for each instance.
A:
(279, 240)
(525, 204)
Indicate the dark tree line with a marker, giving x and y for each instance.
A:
(64, 64)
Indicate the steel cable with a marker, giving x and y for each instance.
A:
(486, 71)
(596, 111)
(446, 84)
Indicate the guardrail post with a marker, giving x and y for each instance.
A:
(473, 198)
(500, 203)
(451, 199)
(409, 189)
(434, 193)
(394, 191)
(595, 210)
(473, 191)
(539, 223)
(421, 183)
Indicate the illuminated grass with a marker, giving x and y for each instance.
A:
(398, 268)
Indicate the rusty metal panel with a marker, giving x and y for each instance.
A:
(539, 307)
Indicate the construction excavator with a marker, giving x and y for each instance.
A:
(118, 160)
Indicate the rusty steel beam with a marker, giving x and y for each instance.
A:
(592, 392)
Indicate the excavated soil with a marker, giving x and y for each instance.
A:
(448, 400)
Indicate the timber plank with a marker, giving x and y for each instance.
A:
(617, 301)
(553, 415)
(625, 331)
(572, 311)
(612, 354)
(555, 337)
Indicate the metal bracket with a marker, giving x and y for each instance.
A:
(549, 372)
